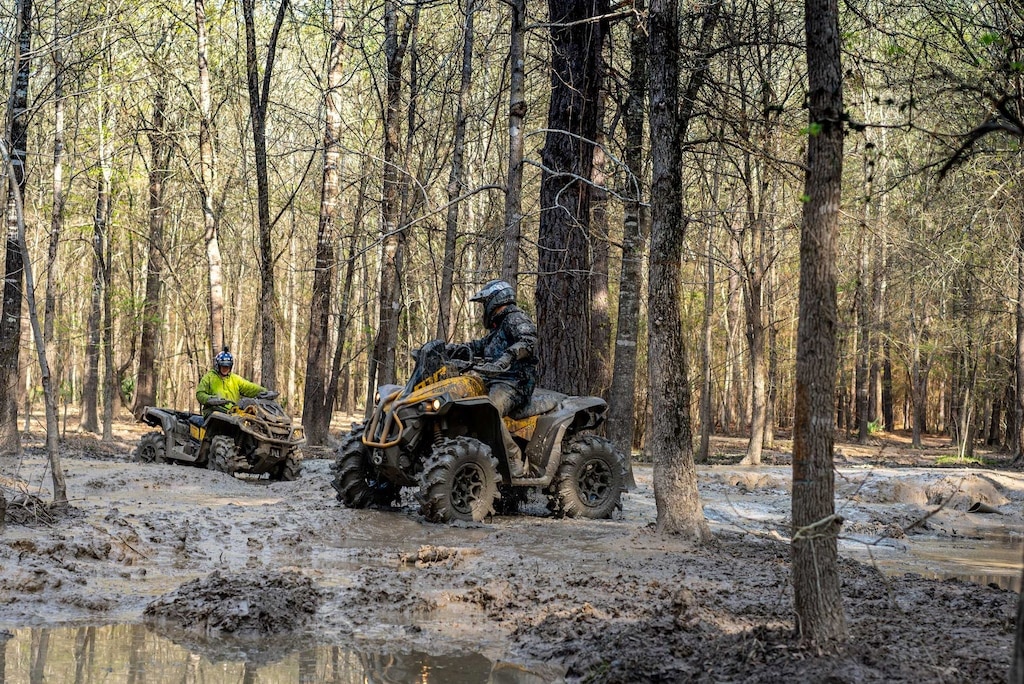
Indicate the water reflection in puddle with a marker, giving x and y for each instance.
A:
(133, 654)
(996, 560)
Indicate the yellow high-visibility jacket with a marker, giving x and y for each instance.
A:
(233, 387)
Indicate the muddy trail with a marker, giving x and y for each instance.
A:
(241, 580)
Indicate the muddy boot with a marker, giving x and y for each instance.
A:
(516, 462)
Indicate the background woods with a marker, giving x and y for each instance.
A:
(320, 187)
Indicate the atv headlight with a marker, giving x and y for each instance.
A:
(436, 404)
(297, 434)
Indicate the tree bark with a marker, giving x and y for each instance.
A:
(600, 370)
(669, 438)
(10, 320)
(563, 251)
(382, 363)
(863, 336)
(317, 402)
(1018, 439)
(622, 395)
(60, 492)
(817, 600)
(258, 100)
(159, 172)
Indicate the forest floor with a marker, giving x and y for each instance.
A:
(268, 571)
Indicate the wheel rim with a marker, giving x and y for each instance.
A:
(594, 481)
(147, 453)
(467, 486)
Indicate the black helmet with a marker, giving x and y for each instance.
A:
(224, 359)
(494, 295)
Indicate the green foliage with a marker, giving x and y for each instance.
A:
(954, 459)
(813, 129)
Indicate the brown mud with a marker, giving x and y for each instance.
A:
(207, 559)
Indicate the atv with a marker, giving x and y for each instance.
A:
(441, 434)
(254, 436)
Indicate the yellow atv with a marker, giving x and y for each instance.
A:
(441, 434)
(254, 436)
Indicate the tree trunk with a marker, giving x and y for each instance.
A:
(382, 363)
(159, 172)
(706, 419)
(103, 204)
(317, 401)
(89, 420)
(10, 321)
(735, 413)
(456, 181)
(258, 99)
(59, 199)
(669, 438)
(756, 333)
(516, 114)
(60, 492)
(563, 252)
(622, 395)
(817, 600)
(207, 180)
(600, 369)
(1018, 439)
(863, 337)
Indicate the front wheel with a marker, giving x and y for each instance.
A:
(290, 469)
(224, 456)
(459, 481)
(356, 481)
(152, 448)
(590, 479)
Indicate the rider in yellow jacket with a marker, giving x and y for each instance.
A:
(220, 388)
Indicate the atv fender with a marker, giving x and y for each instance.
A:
(165, 420)
(481, 414)
(573, 415)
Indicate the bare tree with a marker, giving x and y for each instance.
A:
(516, 114)
(207, 182)
(382, 362)
(816, 596)
(259, 97)
(161, 151)
(622, 395)
(318, 402)
(456, 180)
(669, 439)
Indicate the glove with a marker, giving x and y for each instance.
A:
(268, 394)
(216, 401)
(498, 365)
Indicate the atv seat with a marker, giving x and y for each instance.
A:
(540, 402)
(196, 419)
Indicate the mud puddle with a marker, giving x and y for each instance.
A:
(995, 561)
(134, 653)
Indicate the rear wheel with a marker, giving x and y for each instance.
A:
(152, 448)
(459, 481)
(224, 456)
(356, 480)
(590, 479)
